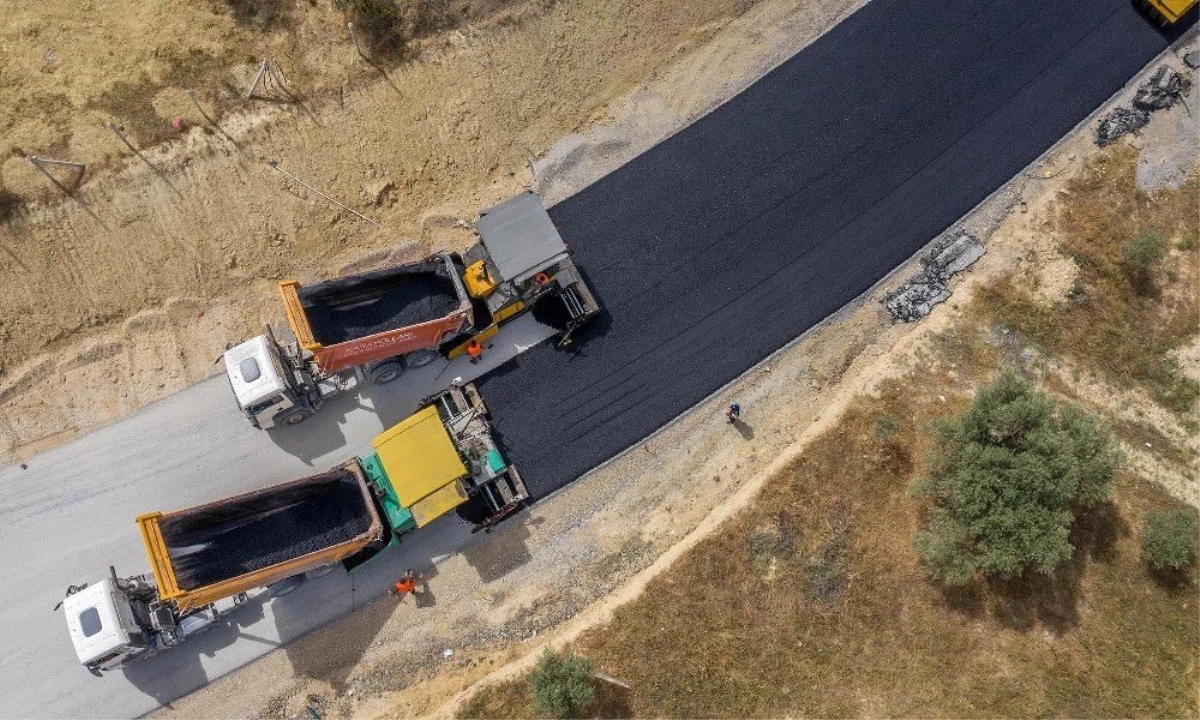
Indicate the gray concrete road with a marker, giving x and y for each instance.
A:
(71, 514)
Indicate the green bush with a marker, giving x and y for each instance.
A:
(388, 25)
(1005, 479)
(1169, 539)
(1142, 255)
(1145, 250)
(886, 428)
(562, 684)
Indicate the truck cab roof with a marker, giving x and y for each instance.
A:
(95, 621)
(253, 371)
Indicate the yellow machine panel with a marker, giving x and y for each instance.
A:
(1170, 10)
(431, 507)
(482, 336)
(479, 282)
(419, 457)
(507, 311)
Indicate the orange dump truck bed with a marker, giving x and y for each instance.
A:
(209, 552)
(379, 314)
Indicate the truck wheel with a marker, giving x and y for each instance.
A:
(319, 572)
(295, 417)
(285, 586)
(385, 371)
(420, 358)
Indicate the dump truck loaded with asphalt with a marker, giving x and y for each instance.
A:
(206, 560)
(376, 324)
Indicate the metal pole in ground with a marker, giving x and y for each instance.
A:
(121, 136)
(254, 85)
(37, 163)
(79, 167)
(275, 166)
(354, 38)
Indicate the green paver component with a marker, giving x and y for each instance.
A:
(398, 516)
(495, 461)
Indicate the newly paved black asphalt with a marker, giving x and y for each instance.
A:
(733, 237)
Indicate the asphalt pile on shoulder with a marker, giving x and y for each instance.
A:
(223, 542)
(1160, 91)
(916, 298)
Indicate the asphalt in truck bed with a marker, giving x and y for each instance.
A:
(353, 309)
(208, 547)
(738, 234)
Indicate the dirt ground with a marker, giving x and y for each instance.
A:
(133, 291)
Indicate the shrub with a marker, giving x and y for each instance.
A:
(562, 684)
(1169, 539)
(1005, 479)
(389, 25)
(1142, 255)
(1144, 250)
(886, 428)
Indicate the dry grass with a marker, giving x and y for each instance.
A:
(1116, 321)
(812, 603)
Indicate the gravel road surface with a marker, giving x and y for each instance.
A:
(731, 238)
(71, 514)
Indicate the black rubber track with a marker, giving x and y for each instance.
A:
(730, 239)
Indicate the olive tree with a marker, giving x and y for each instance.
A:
(1005, 480)
(562, 684)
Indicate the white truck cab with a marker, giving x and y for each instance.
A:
(103, 629)
(257, 377)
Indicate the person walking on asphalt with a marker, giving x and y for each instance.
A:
(405, 585)
(475, 351)
(734, 413)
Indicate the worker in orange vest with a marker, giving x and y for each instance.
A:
(406, 584)
(475, 350)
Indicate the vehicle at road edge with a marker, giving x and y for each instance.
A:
(374, 325)
(206, 560)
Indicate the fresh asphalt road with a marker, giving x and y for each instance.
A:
(733, 237)
(708, 252)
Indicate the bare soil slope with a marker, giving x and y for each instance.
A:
(133, 292)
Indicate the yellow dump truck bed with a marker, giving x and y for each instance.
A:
(213, 551)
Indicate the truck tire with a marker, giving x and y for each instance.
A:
(295, 417)
(319, 572)
(285, 586)
(385, 371)
(420, 358)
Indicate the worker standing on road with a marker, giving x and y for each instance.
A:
(475, 350)
(405, 585)
(734, 413)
